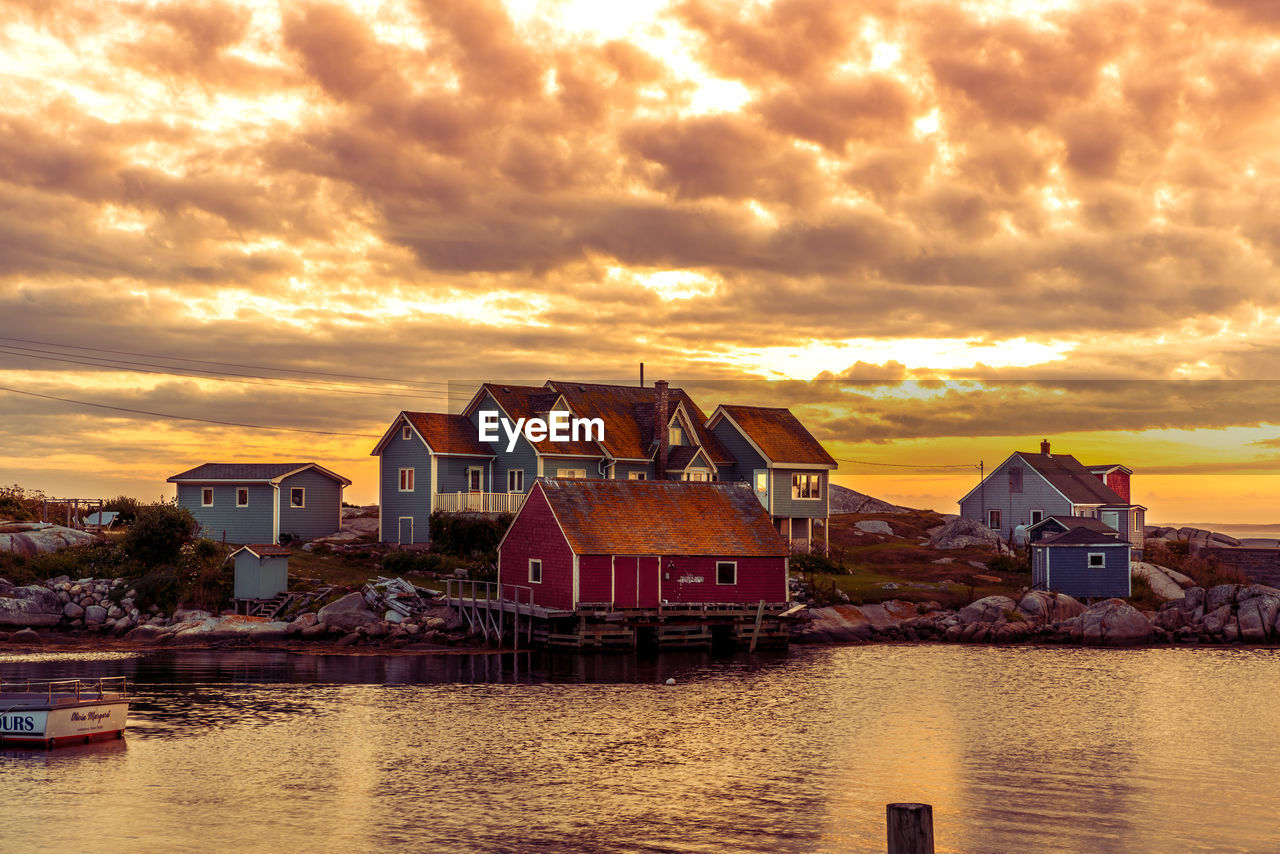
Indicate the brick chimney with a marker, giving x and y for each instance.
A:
(1044, 446)
(661, 415)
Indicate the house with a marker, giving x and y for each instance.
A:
(437, 462)
(638, 544)
(1083, 563)
(262, 571)
(257, 502)
(1027, 488)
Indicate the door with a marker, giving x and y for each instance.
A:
(626, 582)
(650, 584)
(406, 530)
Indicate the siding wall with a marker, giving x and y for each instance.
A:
(1068, 570)
(405, 453)
(621, 471)
(523, 456)
(785, 505)
(451, 474)
(535, 534)
(758, 578)
(323, 499)
(740, 448)
(1015, 507)
(595, 578)
(591, 465)
(224, 521)
(260, 579)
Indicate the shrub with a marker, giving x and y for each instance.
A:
(18, 504)
(1009, 563)
(125, 506)
(405, 562)
(468, 536)
(158, 534)
(812, 562)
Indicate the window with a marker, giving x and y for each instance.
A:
(1037, 516)
(993, 520)
(726, 572)
(571, 473)
(762, 481)
(1137, 523)
(298, 497)
(406, 480)
(1097, 560)
(637, 475)
(206, 497)
(475, 479)
(406, 433)
(806, 486)
(698, 475)
(1015, 478)
(242, 496)
(675, 436)
(535, 571)
(515, 480)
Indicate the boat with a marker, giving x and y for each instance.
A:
(71, 711)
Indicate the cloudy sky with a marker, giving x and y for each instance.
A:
(1048, 218)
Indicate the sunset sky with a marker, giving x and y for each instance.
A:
(938, 231)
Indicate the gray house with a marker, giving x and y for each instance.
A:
(262, 571)
(435, 462)
(257, 502)
(1082, 563)
(1028, 488)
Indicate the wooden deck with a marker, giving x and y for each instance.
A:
(510, 617)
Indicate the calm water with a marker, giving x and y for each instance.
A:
(1018, 749)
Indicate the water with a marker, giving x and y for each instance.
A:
(1018, 749)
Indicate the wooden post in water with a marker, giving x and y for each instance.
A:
(910, 828)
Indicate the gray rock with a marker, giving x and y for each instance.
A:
(1193, 598)
(1114, 622)
(874, 526)
(25, 636)
(960, 533)
(1223, 594)
(1255, 618)
(1040, 607)
(34, 605)
(348, 613)
(988, 609)
(1216, 620)
(72, 611)
(95, 614)
(307, 619)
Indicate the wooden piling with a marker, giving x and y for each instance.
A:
(910, 828)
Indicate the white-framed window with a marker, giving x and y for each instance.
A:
(1036, 516)
(1111, 518)
(675, 435)
(298, 497)
(1097, 560)
(515, 480)
(475, 479)
(762, 480)
(406, 480)
(242, 496)
(206, 497)
(726, 572)
(697, 474)
(535, 571)
(806, 486)
(406, 432)
(1137, 523)
(571, 473)
(993, 520)
(637, 475)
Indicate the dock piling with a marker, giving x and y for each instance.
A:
(910, 828)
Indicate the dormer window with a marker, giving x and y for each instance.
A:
(675, 436)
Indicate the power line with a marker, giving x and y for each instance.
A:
(132, 367)
(187, 417)
(225, 364)
(909, 465)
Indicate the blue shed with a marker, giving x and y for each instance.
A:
(1083, 564)
(257, 502)
(262, 571)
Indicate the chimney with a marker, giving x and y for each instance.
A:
(1044, 446)
(660, 417)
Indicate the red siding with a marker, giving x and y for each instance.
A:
(758, 578)
(1119, 483)
(594, 581)
(535, 534)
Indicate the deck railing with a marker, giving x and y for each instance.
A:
(104, 687)
(478, 502)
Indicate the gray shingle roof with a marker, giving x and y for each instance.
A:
(1082, 537)
(1072, 479)
(247, 472)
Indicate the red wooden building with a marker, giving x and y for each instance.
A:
(641, 544)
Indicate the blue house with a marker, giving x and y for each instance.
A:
(436, 462)
(257, 502)
(1082, 563)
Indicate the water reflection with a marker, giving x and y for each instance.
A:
(1017, 749)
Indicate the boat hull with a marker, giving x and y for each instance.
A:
(51, 727)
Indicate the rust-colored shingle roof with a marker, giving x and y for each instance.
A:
(449, 434)
(657, 517)
(779, 434)
(524, 401)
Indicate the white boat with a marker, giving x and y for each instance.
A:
(49, 714)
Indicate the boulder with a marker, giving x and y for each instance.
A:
(1257, 616)
(1039, 607)
(95, 614)
(961, 533)
(33, 538)
(1216, 620)
(874, 526)
(72, 611)
(25, 636)
(1114, 622)
(838, 623)
(313, 631)
(1223, 594)
(1193, 598)
(988, 609)
(1161, 584)
(1183, 581)
(30, 606)
(348, 613)
(183, 615)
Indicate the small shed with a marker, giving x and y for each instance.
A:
(1082, 563)
(262, 571)
(1051, 525)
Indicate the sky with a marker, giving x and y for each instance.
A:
(938, 231)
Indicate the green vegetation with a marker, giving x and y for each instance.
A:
(464, 536)
(1206, 571)
(20, 505)
(158, 534)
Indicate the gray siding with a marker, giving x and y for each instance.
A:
(260, 579)
(451, 474)
(622, 471)
(737, 445)
(1015, 507)
(320, 516)
(590, 464)
(523, 456)
(405, 453)
(226, 522)
(1068, 570)
(785, 505)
